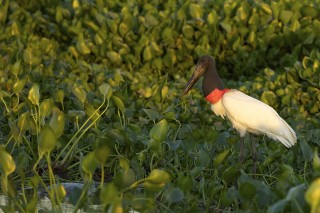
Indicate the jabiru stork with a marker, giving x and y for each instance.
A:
(246, 114)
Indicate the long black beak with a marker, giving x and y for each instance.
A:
(198, 72)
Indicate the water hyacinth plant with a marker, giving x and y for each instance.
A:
(90, 114)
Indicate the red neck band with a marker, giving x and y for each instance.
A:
(216, 95)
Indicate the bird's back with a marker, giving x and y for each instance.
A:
(257, 117)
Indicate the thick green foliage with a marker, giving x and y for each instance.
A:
(106, 76)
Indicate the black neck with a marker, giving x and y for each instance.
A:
(211, 81)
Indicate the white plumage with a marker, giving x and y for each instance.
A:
(249, 114)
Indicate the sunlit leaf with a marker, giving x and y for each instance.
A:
(7, 164)
(105, 90)
(158, 176)
(118, 103)
(47, 140)
(34, 94)
(19, 85)
(159, 131)
(312, 195)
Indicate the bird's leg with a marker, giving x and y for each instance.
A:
(241, 150)
(254, 154)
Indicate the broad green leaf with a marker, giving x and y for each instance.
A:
(124, 178)
(269, 98)
(247, 190)
(285, 16)
(231, 173)
(34, 94)
(175, 195)
(45, 107)
(46, 140)
(152, 114)
(105, 90)
(7, 164)
(184, 182)
(118, 103)
(195, 10)
(312, 195)
(220, 157)
(19, 85)
(80, 93)
(158, 176)
(278, 206)
(109, 193)
(204, 158)
(89, 163)
(59, 96)
(24, 122)
(15, 70)
(124, 163)
(159, 131)
(57, 122)
(306, 150)
(102, 153)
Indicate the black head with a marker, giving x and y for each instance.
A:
(204, 63)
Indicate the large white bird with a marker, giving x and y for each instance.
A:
(246, 114)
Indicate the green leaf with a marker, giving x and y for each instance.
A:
(306, 150)
(285, 16)
(220, 157)
(159, 131)
(152, 114)
(158, 176)
(109, 193)
(204, 158)
(45, 107)
(7, 164)
(79, 93)
(57, 122)
(312, 195)
(118, 103)
(19, 85)
(269, 98)
(195, 11)
(89, 163)
(124, 163)
(247, 190)
(47, 140)
(34, 94)
(24, 122)
(124, 178)
(184, 182)
(316, 160)
(278, 206)
(105, 90)
(175, 195)
(102, 153)
(231, 173)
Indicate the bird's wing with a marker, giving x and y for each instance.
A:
(257, 116)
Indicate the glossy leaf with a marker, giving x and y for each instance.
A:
(34, 94)
(159, 131)
(46, 140)
(118, 103)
